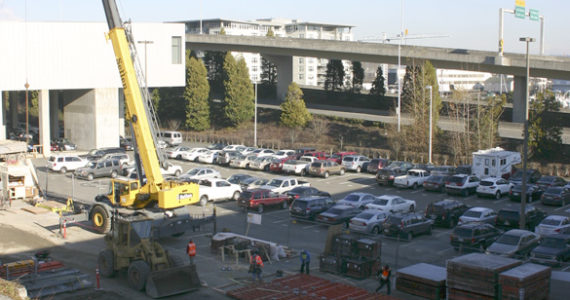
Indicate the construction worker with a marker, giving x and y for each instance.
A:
(191, 251)
(384, 276)
(255, 265)
(305, 260)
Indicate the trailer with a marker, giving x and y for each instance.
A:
(494, 162)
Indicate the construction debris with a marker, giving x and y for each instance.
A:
(422, 280)
(228, 243)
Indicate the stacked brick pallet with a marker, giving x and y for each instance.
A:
(476, 275)
(529, 281)
(352, 256)
(422, 280)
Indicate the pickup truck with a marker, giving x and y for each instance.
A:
(413, 179)
(214, 189)
(260, 198)
(282, 185)
(299, 166)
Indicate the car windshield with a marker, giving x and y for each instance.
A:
(472, 214)
(463, 232)
(436, 208)
(275, 182)
(316, 164)
(508, 239)
(279, 153)
(382, 202)
(551, 242)
(335, 211)
(551, 222)
(351, 198)
(486, 183)
(435, 178)
(385, 172)
(554, 190)
(365, 215)
(298, 189)
(348, 158)
(508, 213)
(93, 152)
(52, 158)
(456, 179)
(249, 180)
(246, 195)
(193, 171)
(92, 165)
(394, 220)
(299, 204)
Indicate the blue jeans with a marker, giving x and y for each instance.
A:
(256, 273)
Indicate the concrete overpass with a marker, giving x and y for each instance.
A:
(281, 51)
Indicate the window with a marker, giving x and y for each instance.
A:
(176, 50)
(301, 76)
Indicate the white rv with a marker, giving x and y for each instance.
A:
(494, 162)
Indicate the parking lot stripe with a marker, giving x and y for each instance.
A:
(311, 226)
(440, 252)
(561, 207)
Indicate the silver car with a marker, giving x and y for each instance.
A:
(102, 168)
(368, 221)
(515, 243)
(478, 214)
(355, 162)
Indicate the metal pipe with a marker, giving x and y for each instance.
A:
(399, 112)
(541, 35)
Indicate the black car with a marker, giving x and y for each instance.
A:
(338, 214)
(376, 164)
(435, 183)
(533, 192)
(63, 144)
(548, 181)
(406, 225)
(216, 146)
(509, 218)
(310, 207)
(239, 178)
(443, 170)
(556, 195)
(305, 191)
(532, 176)
(473, 236)
(553, 250)
(96, 154)
(446, 212)
(386, 176)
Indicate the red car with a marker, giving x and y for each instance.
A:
(318, 154)
(276, 165)
(337, 157)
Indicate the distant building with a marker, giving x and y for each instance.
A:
(449, 80)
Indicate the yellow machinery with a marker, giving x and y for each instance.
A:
(155, 195)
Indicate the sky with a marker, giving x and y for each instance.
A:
(439, 23)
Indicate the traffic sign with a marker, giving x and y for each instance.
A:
(520, 12)
(533, 14)
(520, 3)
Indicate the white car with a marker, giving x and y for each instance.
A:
(193, 154)
(209, 156)
(238, 148)
(177, 152)
(493, 187)
(171, 170)
(201, 173)
(242, 161)
(553, 224)
(64, 163)
(392, 203)
(461, 184)
(248, 150)
(355, 162)
(284, 154)
(261, 163)
(478, 214)
(263, 152)
(162, 144)
(414, 178)
(214, 189)
(359, 200)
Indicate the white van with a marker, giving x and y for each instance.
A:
(172, 138)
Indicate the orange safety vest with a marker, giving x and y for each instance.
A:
(257, 259)
(385, 274)
(191, 249)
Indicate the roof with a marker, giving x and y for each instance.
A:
(495, 152)
(519, 232)
(478, 208)
(342, 206)
(388, 197)
(556, 217)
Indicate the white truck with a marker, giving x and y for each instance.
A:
(284, 184)
(413, 179)
(298, 166)
(215, 189)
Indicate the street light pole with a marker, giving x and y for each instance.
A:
(399, 112)
(145, 61)
(430, 120)
(522, 224)
(255, 118)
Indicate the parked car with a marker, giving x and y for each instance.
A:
(509, 218)
(126, 143)
(320, 155)
(435, 183)
(242, 161)
(96, 154)
(463, 169)
(368, 221)
(413, 179)
(493, 187)
(248, 150)
(325, 168)
(66, 162)
(299, 166)
(224, 157)
(376, 164)
(209, 156)
(261, 163)
(201, 173)
(302, 151)
(553, 224)
(461, 184)
(284, 184)
(176, 152)
(338, 156)
(216, 146)
(64, 144)
(101, 168)
(392, 204)
(402, 165)
(129, 170)
(193, 154)
(532, 176)
(309, 207)
(284, 154)
(357, 199)
(263, 152)
(478, 214)
(386, 176)
(338, 214)
(473, 236)
(514, 243)
(239, 178)
(260, 198)
(276, 165)
(172, 138)
(123, 158)
(214, 189)
(234, 147)
(550, 181)
(305, 191)
(555, 195)
(553, 250)
(533, 192)
(446, 212)
(254, 182)
(355, 162)
(406, 225)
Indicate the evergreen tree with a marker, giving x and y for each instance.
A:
(268, 72)
(378, 87)
(545, 133)
(238, 103)
(334, 77)
(270, 32)
(294, 113)
(357, 77)
(196, 95)
(214, 62)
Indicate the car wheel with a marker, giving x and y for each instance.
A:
(415, 186)
(285, 205)
(113, 174)
(464, 193)
(105, 262)
(260, 208)
(179, 157)
(358, 169)
(303, 172)
(341, 172)
(266, 168)
(410, 236)
(63, 170)
(412, 208)
(90, 176)
(498, 195)
(481, 248)
(236, 195)
(376, 230)
(137, 274)
(203, 201)
(452, 223)
(326, 175)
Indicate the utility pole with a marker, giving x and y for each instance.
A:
(430, 120)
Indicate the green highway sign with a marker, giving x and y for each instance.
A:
(520, 12)
(533, 14)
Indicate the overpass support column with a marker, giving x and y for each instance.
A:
(54, 114)
(284, 73)
(43, 119)
(2, 116)
(519, 99)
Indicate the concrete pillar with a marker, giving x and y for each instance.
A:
(284, 73)
(90, 118)
(519, 99)
(43, 120)
(2, 114)
(54, 114)
(14, 109)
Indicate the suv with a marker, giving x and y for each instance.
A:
(325, 167)
(376, 164)
(123, 158)
(407, 225)
(386, 176)
(355, 162)
(553, 250)
(509, 218)
(96, 154)
(473, 236)
(101, 168)
(532, 176)
(64, 163)
(461, 184)
(310, 207)
(446, 212)
(172, 138)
